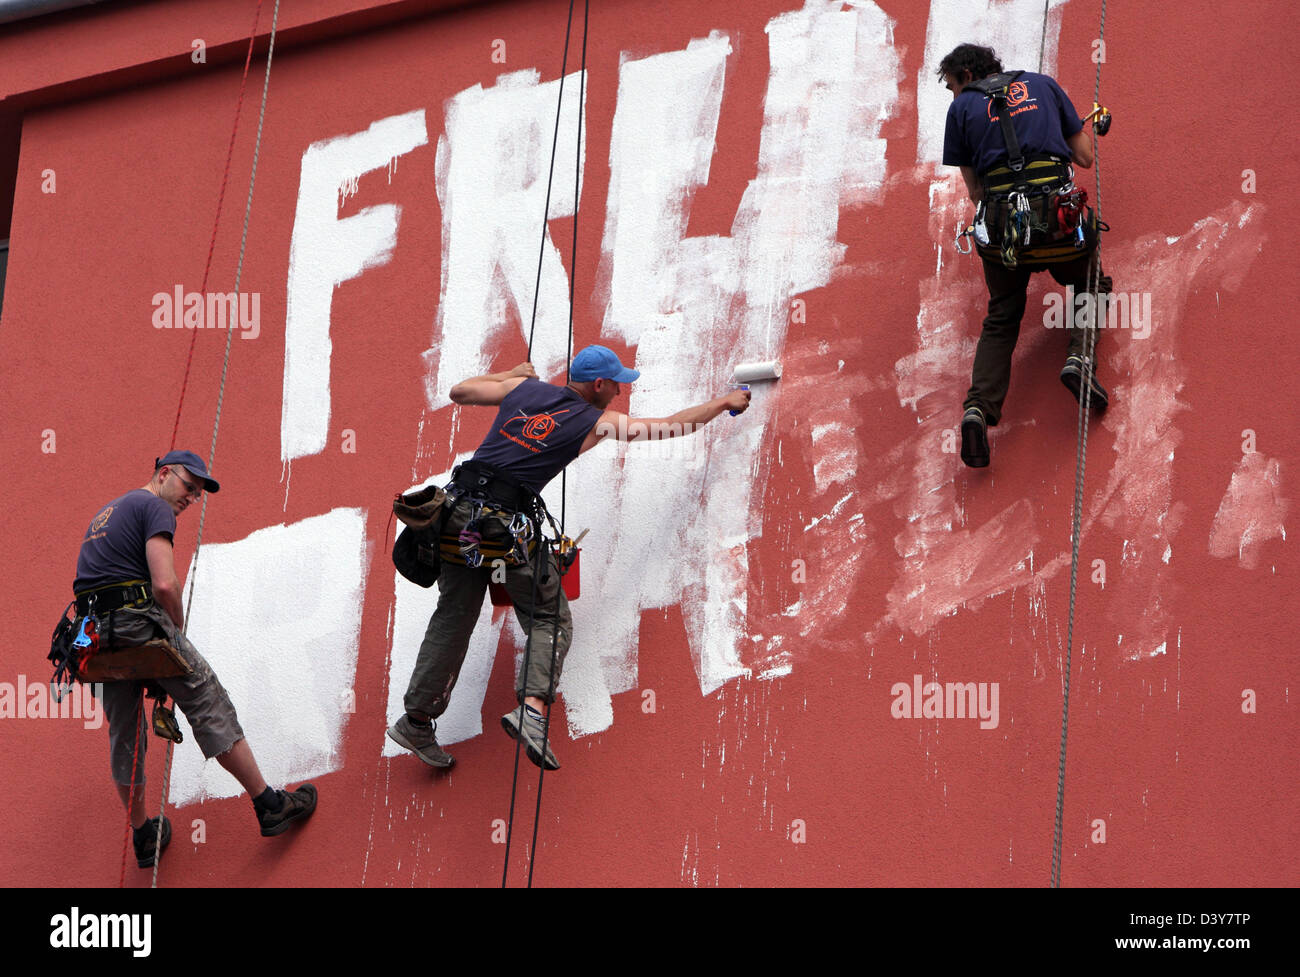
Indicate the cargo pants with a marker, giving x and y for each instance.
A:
(1008, 288)
(461, 590)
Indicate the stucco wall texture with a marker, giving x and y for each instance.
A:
(763, 607)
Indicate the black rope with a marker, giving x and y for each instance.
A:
(543, 547)
(564, 495)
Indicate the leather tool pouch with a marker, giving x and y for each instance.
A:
(415, 552)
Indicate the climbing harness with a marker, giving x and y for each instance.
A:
(1030, 210)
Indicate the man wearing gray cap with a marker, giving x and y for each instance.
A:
(539, 428)
(126, 578)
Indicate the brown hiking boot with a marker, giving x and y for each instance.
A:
(421, 741)
(294, 806)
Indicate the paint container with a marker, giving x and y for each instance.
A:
(571, 581)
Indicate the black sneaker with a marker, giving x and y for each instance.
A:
(294, 805)
(974, 438)
(1072, 377)
(146, 852)
(522, 725)
(421, 741)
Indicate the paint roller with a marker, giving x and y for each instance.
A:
(746, 373)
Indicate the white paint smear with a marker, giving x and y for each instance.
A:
(1251, 512)
(694, 306)
(1012, 28)
(278, 617)
(324, 252)
(492, 168)
(676, 529)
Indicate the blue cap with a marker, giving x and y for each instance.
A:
(192, 463)
(600, 363)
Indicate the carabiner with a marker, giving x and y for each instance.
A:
(970, 229)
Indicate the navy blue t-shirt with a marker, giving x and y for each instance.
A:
(1041, 114)
(113, 550)
(538, 430)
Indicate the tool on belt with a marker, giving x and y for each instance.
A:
(491, 495)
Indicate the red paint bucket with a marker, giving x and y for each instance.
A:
(571, 582)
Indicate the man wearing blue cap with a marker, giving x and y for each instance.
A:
(539, 428)
(127, 578)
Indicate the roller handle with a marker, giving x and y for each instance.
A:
(737, 386)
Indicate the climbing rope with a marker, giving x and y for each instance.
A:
(1080, 462)
(221, 391)
(564, 497)
(542, 549)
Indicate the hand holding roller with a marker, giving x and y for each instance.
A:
(747, 373)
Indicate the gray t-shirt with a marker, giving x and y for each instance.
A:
(113, 550)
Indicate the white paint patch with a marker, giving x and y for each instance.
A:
(1013, 28)
(690, 304)
(278, 617)
(1137, 499)
(1251, 512)
(324, 252)
(681, 525)
(492, 168)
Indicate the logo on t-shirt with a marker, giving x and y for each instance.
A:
(535, 427)
(1018, 101)
(100, 521)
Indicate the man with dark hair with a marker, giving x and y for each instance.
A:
(1014, 135)
(539, 428)
(126, 578)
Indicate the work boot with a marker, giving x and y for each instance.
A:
(147, 838)
(974, 438)
(530, 730)
(1072, 377)
(422, 741)
(294, 805)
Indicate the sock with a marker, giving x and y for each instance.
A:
(419, 723)
(268, 800)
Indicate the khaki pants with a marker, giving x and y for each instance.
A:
(203, 700)
(460, 600)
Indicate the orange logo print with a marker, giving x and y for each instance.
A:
(1017, 93)
(539, 426)
(101, 520)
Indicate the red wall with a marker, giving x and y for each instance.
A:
(1192, 789)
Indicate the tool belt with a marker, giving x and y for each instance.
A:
(491, 494)
(81, 651)
(114, 596)
(1037, 216)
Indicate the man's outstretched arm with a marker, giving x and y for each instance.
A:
(620, 427)
(489, 390)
